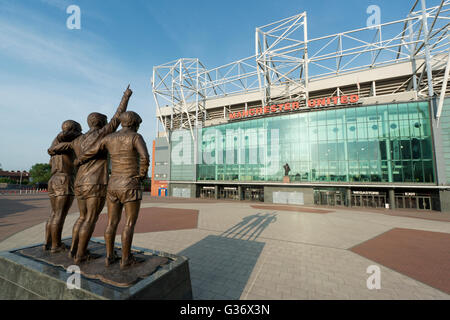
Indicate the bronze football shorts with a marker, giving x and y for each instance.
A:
(86, 191)
(60, 184)
(122, 196)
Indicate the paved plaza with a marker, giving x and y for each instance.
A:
(245, 250)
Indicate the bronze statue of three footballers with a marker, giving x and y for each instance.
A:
(89, 152)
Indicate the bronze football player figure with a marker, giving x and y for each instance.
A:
(60, 187)
(92, 176)
(129, 166)
(286, 170)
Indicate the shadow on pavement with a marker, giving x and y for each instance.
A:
(8, 207)
(220, 266)
(250, 227)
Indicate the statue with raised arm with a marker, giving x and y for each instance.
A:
(60, 187)
(286, 170)
(92, 177)
(129, 167)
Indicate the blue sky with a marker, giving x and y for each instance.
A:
(49, 73)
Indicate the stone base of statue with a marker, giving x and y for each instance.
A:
(286, 179)
(32, 273)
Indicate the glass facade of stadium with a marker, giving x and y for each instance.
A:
(384, 143)
(327, 149)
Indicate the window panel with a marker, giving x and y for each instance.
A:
(332, 151)
(382, 112)
(322, 132)
(321, 118)
(350, 114)
(352, 150)
(364, 171)
(428, 171)
(423, 109)
(343, 171)
(363, 150)
(362, 131)
(415, 128)
(323, 152)
(341, 147)
(426, 148)
(361, 114)
(385, 171)
(372, 130)
(417, 168)
(394, 131)
(413, 111)
(332, 133)
(375, 171)
(392, 113)
(312, 118)
(353, 171)
(331, 118)
(351, 131)
(415, 149)
(313, 134)
(397, 171)
(405, 147)
(403, 112)
(333, 170)
(404, 129)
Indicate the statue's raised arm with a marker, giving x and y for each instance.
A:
(115, 120)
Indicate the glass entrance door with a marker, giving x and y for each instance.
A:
(369, 200)
(229, 193)
(338, 199)
(328, 198)
(254, 194)
(207, 193)
(419, 202)
(424, 203)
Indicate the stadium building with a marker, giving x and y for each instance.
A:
(361, 118)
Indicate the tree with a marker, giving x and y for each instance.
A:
(40, 172)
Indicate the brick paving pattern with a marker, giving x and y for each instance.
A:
(154, 219)
(421, 255)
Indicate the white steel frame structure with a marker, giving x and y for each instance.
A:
(284, 56)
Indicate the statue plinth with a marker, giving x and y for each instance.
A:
(286, 179)
(31, 273)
